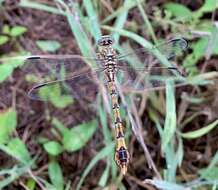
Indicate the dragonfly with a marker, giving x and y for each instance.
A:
(81, 77)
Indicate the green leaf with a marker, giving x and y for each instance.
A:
(6, 29)
(53, 148)
(31, 184)
(48, 45)
(209, 6)
(5, 71)
(17, 149)
(54, 95)
(178, 10)
(209, 173)
(9, 64)
(200, 132)
(55, 175)
(198, 51)
(79, 136)
(3, 40)
(8, 122)
(60, 126)
(62, 101)
(17, 31)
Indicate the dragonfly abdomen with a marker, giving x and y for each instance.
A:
(122, 154)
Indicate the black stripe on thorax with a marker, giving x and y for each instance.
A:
(120, 135)
(115, 106)
(118, 120)
(113, 92)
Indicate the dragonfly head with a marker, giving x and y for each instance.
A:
(105, 41)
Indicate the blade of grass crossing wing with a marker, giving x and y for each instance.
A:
(103, 153)
(170, 121)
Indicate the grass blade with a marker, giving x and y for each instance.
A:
(124, 8)
(103, 153)
(166, 185)
(170, 121)
(40, 6)
(14, 174)
(147, 22)
(121, 19)
(200, 132)
(94, 24)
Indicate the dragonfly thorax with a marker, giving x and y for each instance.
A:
(108, 56)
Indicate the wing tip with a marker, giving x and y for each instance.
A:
(31, 95)
(183, 43)
(33, 57)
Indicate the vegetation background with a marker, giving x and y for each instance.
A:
(62, 144)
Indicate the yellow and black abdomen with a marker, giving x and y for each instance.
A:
(122, 154)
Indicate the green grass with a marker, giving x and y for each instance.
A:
(163, 110)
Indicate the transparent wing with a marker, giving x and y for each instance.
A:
(82, 86)
(65, 65)
(61, 76)
(66, 76)
(141, 70)
(143, 57)
(138, 80)
(169, 49)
